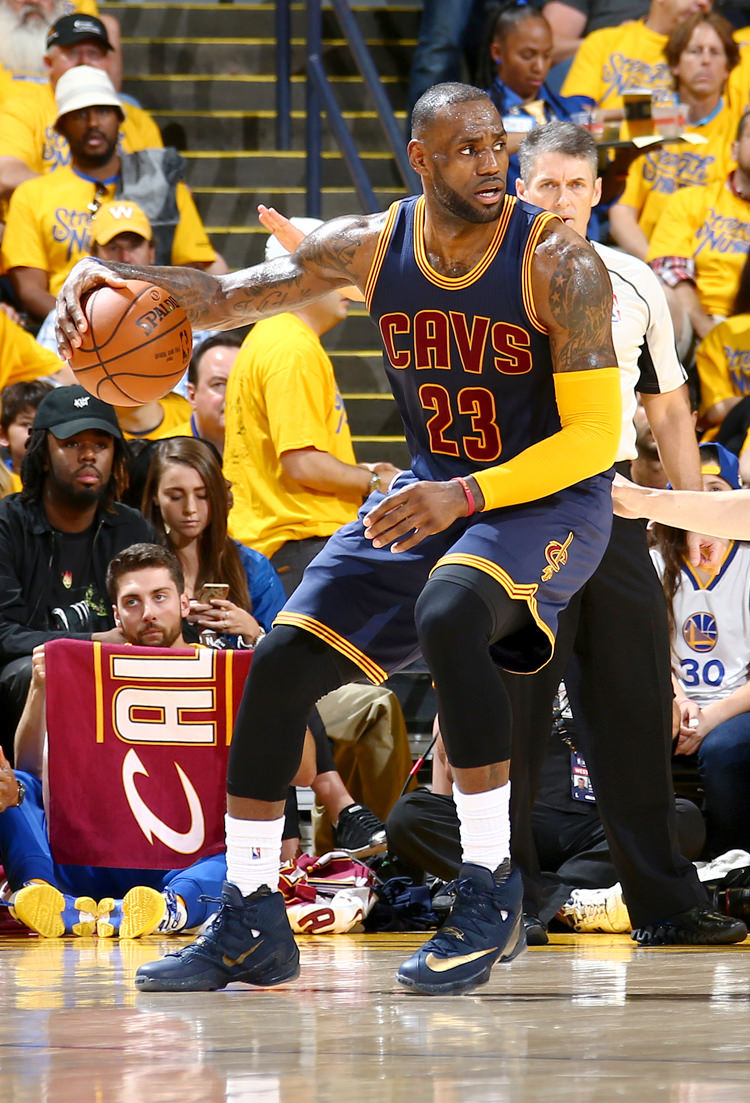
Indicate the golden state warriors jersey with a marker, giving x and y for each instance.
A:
(467, 357)
(711, 642)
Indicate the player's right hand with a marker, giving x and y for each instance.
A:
(71, 324)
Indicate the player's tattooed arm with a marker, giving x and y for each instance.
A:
(573, 297)
(336, 255)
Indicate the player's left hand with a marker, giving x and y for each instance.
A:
(704, 551)
(405, 518)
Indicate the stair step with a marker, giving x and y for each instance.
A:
(263, 169)
(373, 415)
(254, 129)
(188, 92)
(232, 206)
(258, 55)
(155, 20)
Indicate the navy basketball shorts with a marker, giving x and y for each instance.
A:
(360, 599)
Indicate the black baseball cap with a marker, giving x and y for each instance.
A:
(70, 410)
(69, 29)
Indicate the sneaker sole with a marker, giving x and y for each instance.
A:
(455, 988)
(646, 937)
(365, 851)
(142, 911)
(40, 908)
(194, 984)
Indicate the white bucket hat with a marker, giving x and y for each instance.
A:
(85, 86)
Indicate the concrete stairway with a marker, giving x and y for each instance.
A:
(206, 73)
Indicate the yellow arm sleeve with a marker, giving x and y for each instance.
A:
(590, 408)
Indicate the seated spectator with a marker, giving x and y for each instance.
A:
(144, 583)
(29, 143)
(186, 500)
(58, 535)
(700, 244)
(48, 218)
(208, 373)
(515, 60)
(18, 406)
(615, 59)
(701, 53)
(711, 662)
(163, 417)
(722, 360)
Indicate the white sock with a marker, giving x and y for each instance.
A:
(484, 819)
(253, 853)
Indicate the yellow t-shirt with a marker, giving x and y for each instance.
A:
(183, 428)
(723, 361)
(656, 175)
(712, 226)
(613, 59)
(27, 131)
(282, 396)
(21, 357)
(48, 226)
(173, 408)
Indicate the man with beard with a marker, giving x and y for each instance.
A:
(29, 143)
(146, 587)
(58, 535)
(24, 25)
(495, 318)
(47, 229)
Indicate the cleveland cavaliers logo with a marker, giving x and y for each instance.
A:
(700, 632)
(556, 555)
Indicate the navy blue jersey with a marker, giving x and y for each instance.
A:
(467, 358)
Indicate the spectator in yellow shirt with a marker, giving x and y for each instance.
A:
(30, 144)
(48, 229)
(701, 53)
(700, 243)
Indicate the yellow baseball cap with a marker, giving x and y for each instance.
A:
(119, 216)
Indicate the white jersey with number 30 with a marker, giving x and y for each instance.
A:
(711, 640)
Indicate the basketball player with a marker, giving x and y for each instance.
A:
(495, 319)
(614, 633)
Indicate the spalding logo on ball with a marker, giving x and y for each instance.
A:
(137, 346)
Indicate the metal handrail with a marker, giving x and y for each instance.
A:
(319, 94)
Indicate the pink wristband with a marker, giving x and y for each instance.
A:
(467, 491)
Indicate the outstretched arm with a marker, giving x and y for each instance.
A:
(723, 513)
(337, 254)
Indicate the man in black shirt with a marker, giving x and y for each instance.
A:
(58, 535)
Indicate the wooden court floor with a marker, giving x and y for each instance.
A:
(590, 1018)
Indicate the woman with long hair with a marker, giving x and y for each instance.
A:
(515, 58)
(709, 618)
(186, 499)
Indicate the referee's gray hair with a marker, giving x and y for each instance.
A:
(557, 137)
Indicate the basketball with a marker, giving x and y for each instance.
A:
(137, 346)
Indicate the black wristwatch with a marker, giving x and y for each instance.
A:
(21, 793)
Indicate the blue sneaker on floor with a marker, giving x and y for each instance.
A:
(485, 925)
(249, 939)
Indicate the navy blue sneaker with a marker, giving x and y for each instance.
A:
(485, 925)
(249, 939)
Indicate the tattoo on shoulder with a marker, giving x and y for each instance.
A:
(345, 247)
(580, 303)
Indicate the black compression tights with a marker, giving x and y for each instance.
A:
(459, 614)
(291, 670)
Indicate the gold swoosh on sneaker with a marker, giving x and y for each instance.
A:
(229, 962)
(444, 964)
